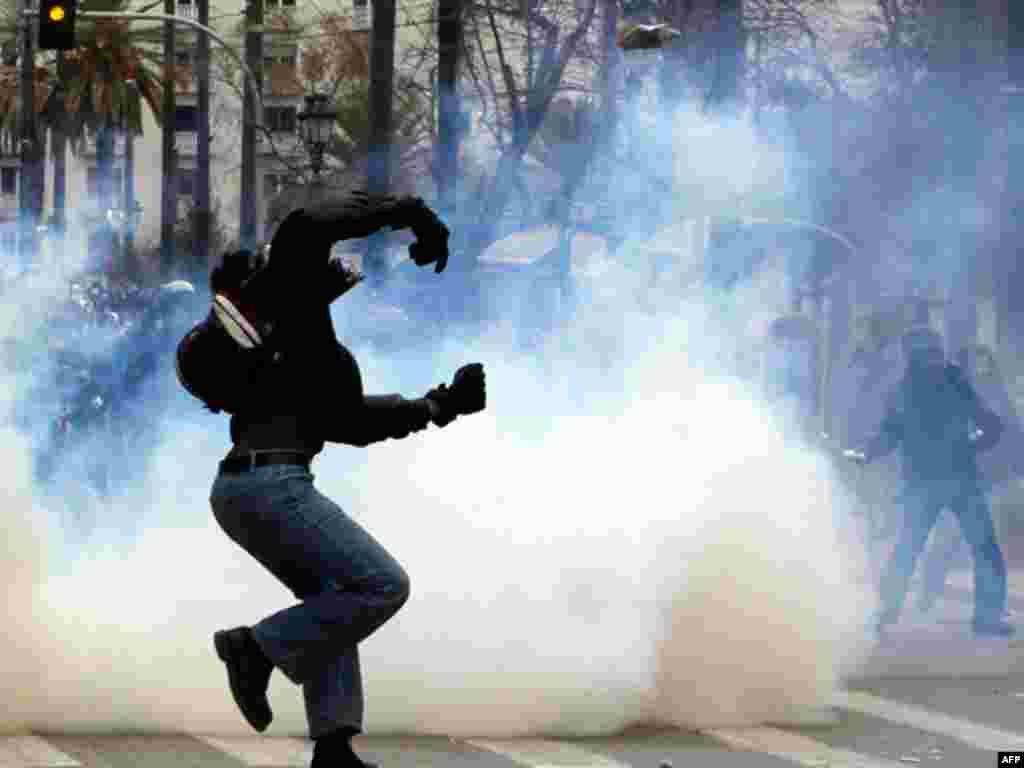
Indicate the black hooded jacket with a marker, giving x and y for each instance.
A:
(931, 420)
(311, 392)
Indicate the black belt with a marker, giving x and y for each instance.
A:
(264, 459)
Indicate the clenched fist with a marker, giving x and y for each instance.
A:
(466, 395)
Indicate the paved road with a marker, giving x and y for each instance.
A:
(941, 698)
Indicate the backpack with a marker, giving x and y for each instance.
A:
(216, 370)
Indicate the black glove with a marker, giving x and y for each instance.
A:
(431, 246)
(466, 395)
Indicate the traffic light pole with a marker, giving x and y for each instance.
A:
(28, 144)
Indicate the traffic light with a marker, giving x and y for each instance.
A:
(57, 24)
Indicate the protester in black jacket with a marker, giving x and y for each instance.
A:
(290, 387)
(940, 424)
(997, 468)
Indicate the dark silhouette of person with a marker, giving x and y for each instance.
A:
(996, 467)
(291, 388)
(940, 424)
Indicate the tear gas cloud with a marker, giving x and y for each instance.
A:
(626, 534)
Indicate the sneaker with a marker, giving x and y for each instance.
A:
(248, 674)
(997, 628)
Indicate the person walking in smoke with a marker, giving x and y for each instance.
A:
(997, 468)
(940, 423)
(267, 355)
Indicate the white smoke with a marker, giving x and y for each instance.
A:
(626, 534)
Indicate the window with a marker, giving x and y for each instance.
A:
(8, 181)
(280, 119)
(289, 59)
(186, 119)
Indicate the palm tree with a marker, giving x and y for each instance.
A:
(98, 98)
(91, 97)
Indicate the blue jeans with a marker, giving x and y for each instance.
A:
(347, 583)
(921, 510)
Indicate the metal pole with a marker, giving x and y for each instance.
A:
(28, 144)
(449, 26)
(254, 59)
(128, 192)
(382, 80)
(609, 68)
(169, 165)
(202, 213)
(59, 151)
(730, 54)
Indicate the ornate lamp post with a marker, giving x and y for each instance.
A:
(316, 126)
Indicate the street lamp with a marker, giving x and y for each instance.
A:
(316, 126)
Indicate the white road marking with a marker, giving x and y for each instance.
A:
(264, 750)
(32, 752)
(965, 580)
(966, 732)
(543, 753)
(795, 748)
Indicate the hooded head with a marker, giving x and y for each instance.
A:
(255, 292)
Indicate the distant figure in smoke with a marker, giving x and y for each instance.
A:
(151, 343)
(940, 423)
(997, 468)
(290, 387)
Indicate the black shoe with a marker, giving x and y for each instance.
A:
(997, 628)
(248, 674)
(334, 750)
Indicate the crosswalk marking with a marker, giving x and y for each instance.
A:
(966, 732)
(965, 580)
(795, 748)
(544, 753)
(264, 750)
(32, 752)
